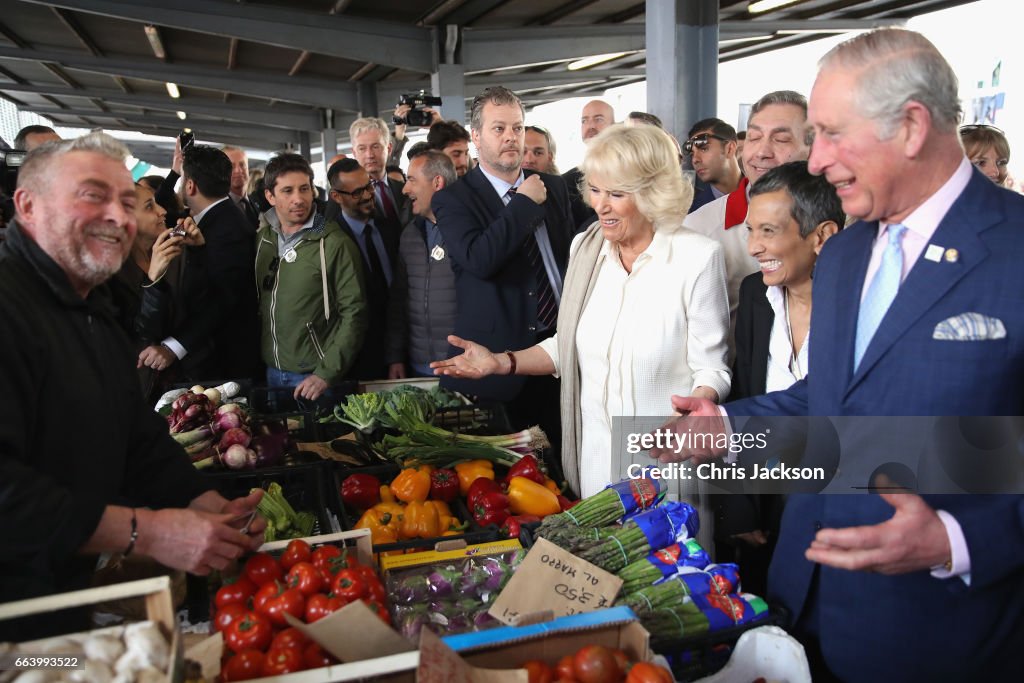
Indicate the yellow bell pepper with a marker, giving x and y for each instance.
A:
(527, 497)
(412, 484)
(442, 508)
(471, 471)
(383, 526)
(394, 508)
(420, 521)
(552, 486)
(385, 494)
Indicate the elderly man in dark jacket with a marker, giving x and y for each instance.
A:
(85, 467)
(421, 311)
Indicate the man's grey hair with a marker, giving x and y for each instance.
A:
(896, 66)
(36, 171)
(780, 97)
(369, 123)
(497, 95)
(436, 164)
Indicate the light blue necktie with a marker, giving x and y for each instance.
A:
(881, 292)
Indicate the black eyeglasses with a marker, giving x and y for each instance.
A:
(701, 142)
(268, 281)
(358, 192)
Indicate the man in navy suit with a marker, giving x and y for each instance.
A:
(507, 232)
(918, 310)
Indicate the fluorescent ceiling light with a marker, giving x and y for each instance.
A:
(172, 90)
(153, 36)
(748, 39)
(768, 5)
(182, 115)
(594, 60)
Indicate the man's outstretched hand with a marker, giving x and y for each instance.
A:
(697, 432)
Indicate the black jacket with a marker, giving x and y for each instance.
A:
(497, 304)
(754, 319)
(75, 435)
(582, 214)
(230, 317)
(370, 363)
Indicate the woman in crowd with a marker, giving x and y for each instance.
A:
(987, 148)
(643, 312)
(152, 292)
(791, 215)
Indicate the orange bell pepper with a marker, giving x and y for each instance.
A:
(420, 521)
(526, 497)
(552, 486)
(472, 470)
(383, 526)
(412, 484)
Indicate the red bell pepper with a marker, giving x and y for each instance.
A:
(527, 467)
(479, 487)
(444, 485)
(361, 491)
(491, 508)
(513, 525)
(565, 503)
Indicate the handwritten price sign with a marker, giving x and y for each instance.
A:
(551, 579)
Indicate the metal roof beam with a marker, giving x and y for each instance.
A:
(382, 42)
(320, 92)
(272, 118)
(738, 29)
(143, 122)
(498, 48)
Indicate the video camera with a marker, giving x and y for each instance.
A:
(417, 117)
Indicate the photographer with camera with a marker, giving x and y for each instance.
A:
(412, 110)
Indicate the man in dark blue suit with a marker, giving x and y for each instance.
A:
(918, 310)
(507, 232)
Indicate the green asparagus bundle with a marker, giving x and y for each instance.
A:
(643, 533)
(575, 538)
(605, 507)
(718, 578)
(701, 614)
(662, 564)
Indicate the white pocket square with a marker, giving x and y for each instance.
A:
(970, 327)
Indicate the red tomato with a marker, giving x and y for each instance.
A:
(238, 590)
(622, 659)
(227, 614)
(261, 568)
(596, 664)
(251, 632)
(349, 585)
(538, 671)
(315, 657)
(297, 551)
(290, 637)
(283, 661)
(319, 606)
(645, 672)
(244, 666)
(377, 607)
(375, 591)
(322, 557)
(565, 670)
(274, 600)
(305, 577)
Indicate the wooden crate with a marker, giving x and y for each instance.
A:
(156, 593)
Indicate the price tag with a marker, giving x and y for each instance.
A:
(555, 580)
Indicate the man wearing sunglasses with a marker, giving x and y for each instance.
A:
(711, 145)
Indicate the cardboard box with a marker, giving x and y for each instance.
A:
(159, 608)
(500, 648)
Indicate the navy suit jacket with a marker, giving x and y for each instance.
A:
(495, 290)
(913, 626)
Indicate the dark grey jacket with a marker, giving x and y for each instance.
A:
(421, 310)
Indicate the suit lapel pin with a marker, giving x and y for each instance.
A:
(933, 253)
(437, 253)
(952, 255)
(290, 256)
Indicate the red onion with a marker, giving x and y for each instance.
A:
(236, 457)
(234, 436)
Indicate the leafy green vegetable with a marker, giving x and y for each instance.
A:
(362, 411)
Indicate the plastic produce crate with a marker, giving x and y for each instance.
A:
(272, 400)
